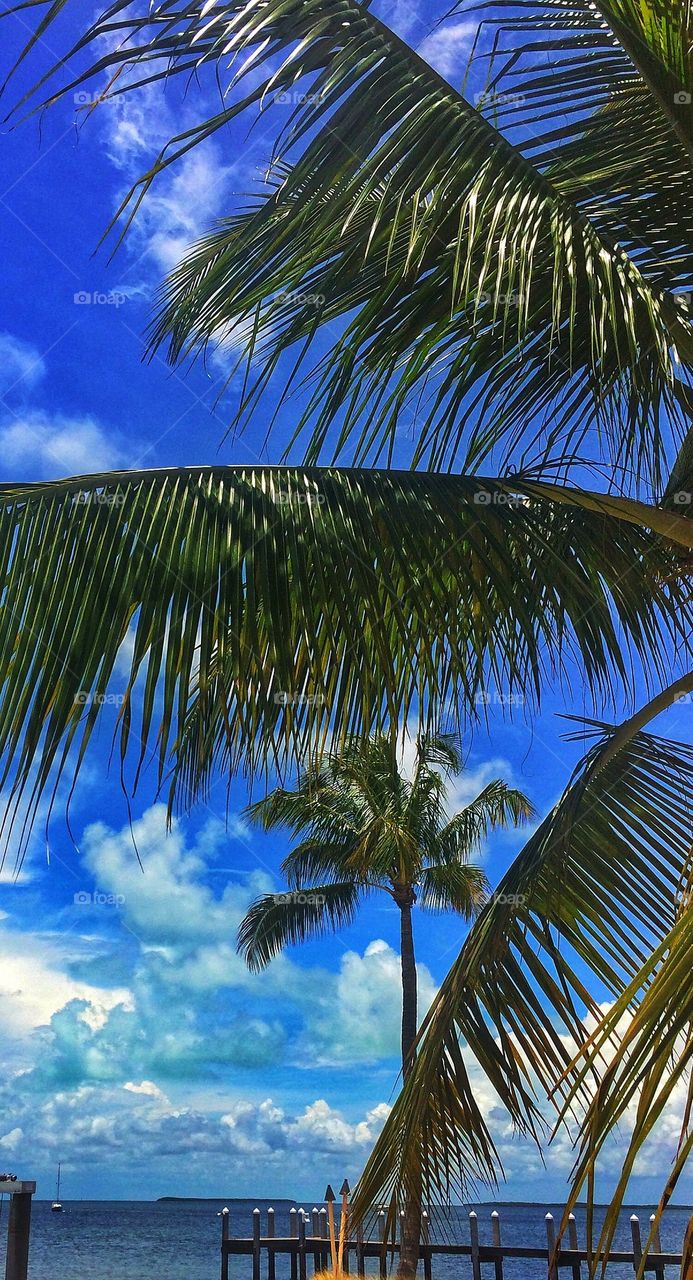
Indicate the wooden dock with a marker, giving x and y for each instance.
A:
(308, 1249)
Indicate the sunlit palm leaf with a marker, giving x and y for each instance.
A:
(574, 82)
(273, 606)
(600, 880)
(478, 285)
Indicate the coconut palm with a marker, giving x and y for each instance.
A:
(524, 282)
(366, 828)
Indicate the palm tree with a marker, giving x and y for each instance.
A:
(367, 828)
(530, 296)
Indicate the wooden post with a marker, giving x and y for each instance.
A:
(496, 1238)
(270, 1252)
(573, 1242)
(18, 1227)
(551, 1246)
(302, 1244)
(225, 1229)
(381, 1237)
(660, 1273)
(317, 1251)
(474, 1238)
(426, 1238)
(293, 1232)
(360, 1270)
(256, 1244)
(324, 1235)
(343, 1250)
(637, 1243)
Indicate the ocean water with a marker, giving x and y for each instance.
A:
(120, 1240)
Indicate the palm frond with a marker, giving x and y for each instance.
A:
(573, 83)
(453, 886)
(497, 805)
(272, 607)
(598, 882)
(312, 859)
(278, 920)
(651, 1026)
(482, 293)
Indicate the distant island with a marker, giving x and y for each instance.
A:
(216, 1199)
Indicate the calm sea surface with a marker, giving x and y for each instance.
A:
(118, 1240)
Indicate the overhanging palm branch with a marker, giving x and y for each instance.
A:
(600, 880)
(272, 606)
(478, 284)
(651, 1023)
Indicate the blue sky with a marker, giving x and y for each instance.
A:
(134, 1042)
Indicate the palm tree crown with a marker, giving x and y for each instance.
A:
(366, 826)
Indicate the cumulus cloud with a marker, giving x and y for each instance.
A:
(359, 1016)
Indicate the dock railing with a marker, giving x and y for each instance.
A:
(309, 1251)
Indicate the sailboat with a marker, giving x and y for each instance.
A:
(56, 1206)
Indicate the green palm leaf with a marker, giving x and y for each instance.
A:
(478, 286)
(272, 606)
(278, 920)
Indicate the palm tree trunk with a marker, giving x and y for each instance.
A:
(411, 1222)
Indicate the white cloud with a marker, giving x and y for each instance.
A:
(21, 365)
(42, 446)
(359, 1015)
(448, 48)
